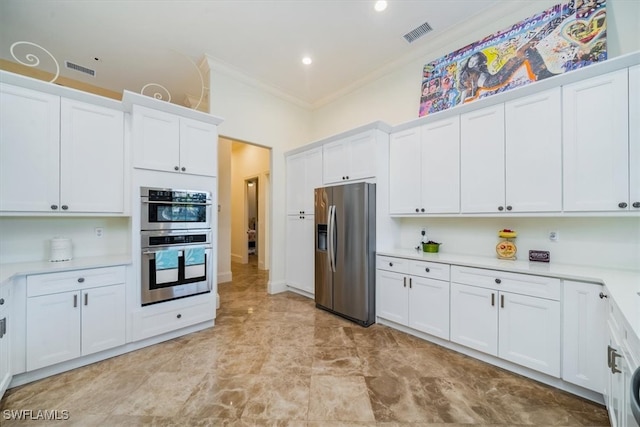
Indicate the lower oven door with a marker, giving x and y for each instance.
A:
(171, 272)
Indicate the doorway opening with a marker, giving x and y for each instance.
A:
(251, 218)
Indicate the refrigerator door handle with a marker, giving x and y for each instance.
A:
(333, 240)
(330, 237)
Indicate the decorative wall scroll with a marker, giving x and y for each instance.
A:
(160, 92)
(562, 38)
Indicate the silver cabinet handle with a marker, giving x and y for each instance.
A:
(410, 279)
(493, 299)
(86, 299)
(404, 279)
(609, 350)
(75, 300)
(1, 301)
(3, 327)
(501, 301)
(614, 367)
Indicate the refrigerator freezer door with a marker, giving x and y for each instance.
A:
(354, 230)
(323, 275)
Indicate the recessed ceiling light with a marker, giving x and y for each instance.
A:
(380, 5)
(306, 60)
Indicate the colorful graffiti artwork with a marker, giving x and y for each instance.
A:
(562, 38)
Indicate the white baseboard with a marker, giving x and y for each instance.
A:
(276, 287)
(225, 277)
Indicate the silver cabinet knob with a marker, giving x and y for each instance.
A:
(65, 207)
(390, 264)
(54, 207)
(498, 281)
(179, 316)
(603, 295)
(636, 204)
(183, 169)
(622, 205)
(509, 207)
(176, 168)
(427, 269)
(80, 279)
(500, 208)
(1, 301)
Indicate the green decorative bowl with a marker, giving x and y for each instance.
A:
(431, 247)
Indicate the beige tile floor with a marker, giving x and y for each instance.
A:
(279, 361)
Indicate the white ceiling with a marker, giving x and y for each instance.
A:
(155, 41)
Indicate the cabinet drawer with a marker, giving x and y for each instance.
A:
(525, 284)
(399, 265)
(156, 320)
(432, 270)
(51, 283)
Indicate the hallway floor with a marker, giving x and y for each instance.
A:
(279, 361)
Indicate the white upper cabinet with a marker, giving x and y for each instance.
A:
(29, 150)
(304, 174)
(349, 159)
(482, 184)
(60, 155)
(441, 166)
(166, 142)
(634, 138)
(533, 156)
(596, 144)
(91, 158)
(424, 169)
(405, 162)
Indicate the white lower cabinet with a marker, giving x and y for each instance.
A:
(5, 337)
(491, 313)
(74, 313)
(299, 269)
(584, 334)
(414, 294)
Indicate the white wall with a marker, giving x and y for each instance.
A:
(255, 115)
(224, 215)
(24, 239)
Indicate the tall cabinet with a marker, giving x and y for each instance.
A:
(303, 175)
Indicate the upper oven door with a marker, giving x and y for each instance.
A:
(166, 209)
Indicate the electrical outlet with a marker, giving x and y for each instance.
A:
(553, 236)
(99, 231)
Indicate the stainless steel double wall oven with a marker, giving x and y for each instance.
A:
(176, 243)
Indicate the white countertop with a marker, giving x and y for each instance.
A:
(623, 286)
(9, 271)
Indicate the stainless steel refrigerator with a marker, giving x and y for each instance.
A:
(345, 242)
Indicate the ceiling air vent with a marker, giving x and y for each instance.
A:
(80, 68)
(417, 32)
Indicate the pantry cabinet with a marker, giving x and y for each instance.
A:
(350, 158)
(595, 116)
(414, 293)
(634, 138)
(424, 169)
(59, 155)
(511, 156)
(167, 142)
(304, 174)
(512, 316)
(584, 334)
(72, 314)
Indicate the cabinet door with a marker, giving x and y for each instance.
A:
(392, 296)
(595, 144)
(429, 306)
(634, 138)
(335, 162)
(29, 150)
(533, 165)
(53, 329)
(441, 166)
(198, 147)
(91, 158)
(474, 317)
(529, 332)
(103, 318)
(482, 160)
(405, 165)
(6, 334)
(361, 150)
(304, 174)
(584, 335)
(156, 139)
(300, 253)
